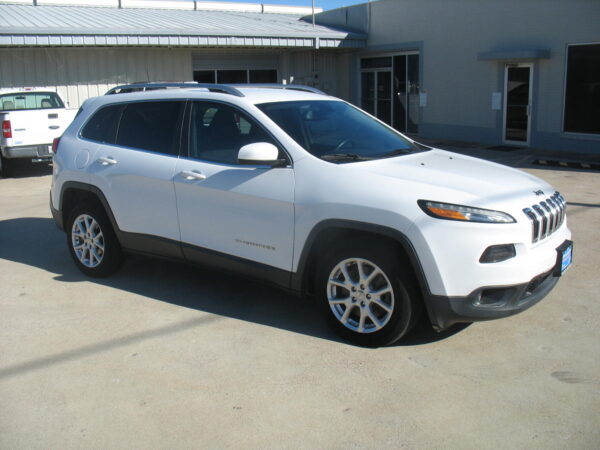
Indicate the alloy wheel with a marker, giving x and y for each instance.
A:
(87, 241)
(360, 295)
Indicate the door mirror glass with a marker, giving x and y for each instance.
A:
(258, 153)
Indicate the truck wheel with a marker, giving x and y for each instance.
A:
(92, 242)
(367, 293)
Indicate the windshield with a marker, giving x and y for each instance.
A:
(336, 131)
(30, 100)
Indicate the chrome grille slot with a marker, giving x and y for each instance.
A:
(550, 215)
(555, 213)
(544, 230)
(546, 216)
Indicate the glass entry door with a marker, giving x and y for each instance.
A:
(377, 94)
(390, 90)
(517, 108)
(406, 93)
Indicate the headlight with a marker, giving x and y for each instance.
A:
(449, 211)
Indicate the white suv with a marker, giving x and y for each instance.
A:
(310, 193)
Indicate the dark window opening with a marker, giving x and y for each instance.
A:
(102, 127)
(236, 76)
(263, 76)
(376, 63)
(151, 126)
(204, 76)
(232, 76)
(582, 97)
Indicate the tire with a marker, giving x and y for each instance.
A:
(361, 312)
(92, 242)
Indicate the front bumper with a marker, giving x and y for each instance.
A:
(489, 303)
(28, 151)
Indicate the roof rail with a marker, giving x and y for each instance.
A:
(136, 87)
(294, 87)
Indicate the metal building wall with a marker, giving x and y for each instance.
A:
(299, 66)
(80, 73)
(326, 65)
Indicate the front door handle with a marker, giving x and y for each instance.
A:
(107, 160)
(192, 175)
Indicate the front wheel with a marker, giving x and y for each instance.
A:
(368, 294)
(92, 242)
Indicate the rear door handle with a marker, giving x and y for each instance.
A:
(192, 175)
(107, 160)
(54, 127)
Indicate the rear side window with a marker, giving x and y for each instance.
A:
(30, 100)
(153, 126)
(102, 127)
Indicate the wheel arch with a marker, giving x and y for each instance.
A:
(337, 229)
(73, 192)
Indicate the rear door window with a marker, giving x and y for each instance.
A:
(153, 126)
(102, 127)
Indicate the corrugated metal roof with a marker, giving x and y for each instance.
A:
(73, 25)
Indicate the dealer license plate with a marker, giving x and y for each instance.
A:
(565, 256)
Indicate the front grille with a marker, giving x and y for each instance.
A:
(546, 216)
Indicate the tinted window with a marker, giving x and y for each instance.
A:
(334, 127)
(151, 126)
(30, 100)
(102, 127)
(232, 76)
(373, 63)
(582, 99)
(263, 76)
(204, 76)
(218, 131)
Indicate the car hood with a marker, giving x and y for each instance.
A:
(477, 179)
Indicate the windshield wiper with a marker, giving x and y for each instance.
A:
(344, 157)
(400, 151)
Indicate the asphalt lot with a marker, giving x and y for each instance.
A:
(168, 356)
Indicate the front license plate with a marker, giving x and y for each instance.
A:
(565, 257)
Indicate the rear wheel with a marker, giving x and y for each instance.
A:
(368, 293)
(92, 242)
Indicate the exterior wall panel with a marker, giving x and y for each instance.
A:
(79, 73)
(450, 34)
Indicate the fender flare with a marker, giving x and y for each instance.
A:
(98, 193)
(298, 281)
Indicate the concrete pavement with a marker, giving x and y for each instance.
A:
(167, 356)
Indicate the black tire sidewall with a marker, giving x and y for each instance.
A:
(113, 256)
(406, 309)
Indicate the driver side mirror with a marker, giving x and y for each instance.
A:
(260, 154)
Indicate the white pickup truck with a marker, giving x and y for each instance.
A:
(31, 118)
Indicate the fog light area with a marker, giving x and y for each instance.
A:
(498, 253)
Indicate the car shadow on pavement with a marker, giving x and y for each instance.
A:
(38, 243)
(28, 169)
